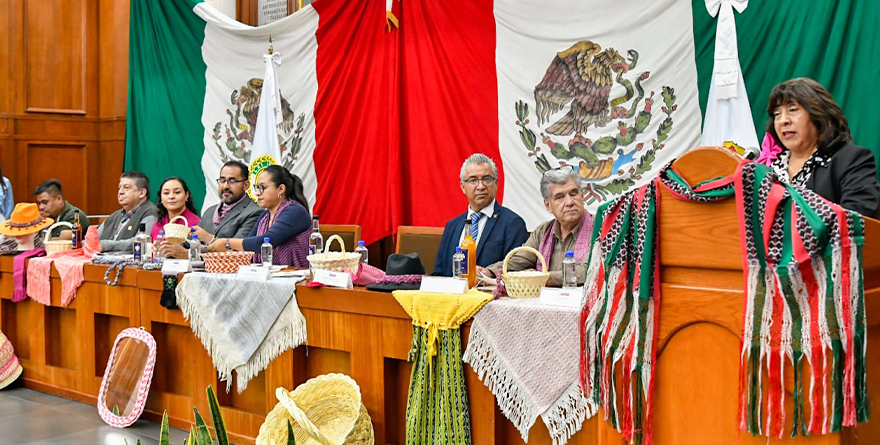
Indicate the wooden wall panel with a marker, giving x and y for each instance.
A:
(55, 46)
(44, 160)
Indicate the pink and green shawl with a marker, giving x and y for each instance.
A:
(803, 300)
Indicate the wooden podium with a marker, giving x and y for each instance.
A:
(695, 399)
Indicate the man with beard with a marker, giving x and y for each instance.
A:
(568, 231)
(495, 229)
(234, 217)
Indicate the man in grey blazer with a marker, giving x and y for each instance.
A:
(234, 217)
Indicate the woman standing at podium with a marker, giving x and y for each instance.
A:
(811, 146)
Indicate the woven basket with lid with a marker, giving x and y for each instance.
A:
(325, 410)
(55, 246)
(527, 283)
(335, 261)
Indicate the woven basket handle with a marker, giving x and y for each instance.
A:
(53, 226)
(526, 249)
(284, 398)
(337, 238)
(185, 222)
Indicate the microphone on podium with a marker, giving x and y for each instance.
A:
(751, 153)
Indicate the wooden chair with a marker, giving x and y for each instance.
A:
(349, 233)
(423, 240)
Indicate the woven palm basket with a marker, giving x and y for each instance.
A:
(527, 283)
(174, 232)
(55, 246)
(226, 262)
(335, 261)
(325, 410)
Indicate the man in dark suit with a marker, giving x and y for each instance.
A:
(234, 217)
(498, 229)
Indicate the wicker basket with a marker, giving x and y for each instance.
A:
(324, 410)
(335, 261)
(527, 283)
(226, 262)
(57, 245)
(176, 233)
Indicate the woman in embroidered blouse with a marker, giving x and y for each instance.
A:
(286, 221)
(174, 200)
(809, 144)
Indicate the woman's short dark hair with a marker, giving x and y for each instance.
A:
(163, 212)
(831, 126)
(2, 182)
(293, 186)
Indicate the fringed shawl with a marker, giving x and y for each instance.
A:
(804, 299)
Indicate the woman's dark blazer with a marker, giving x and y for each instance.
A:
(849, 179)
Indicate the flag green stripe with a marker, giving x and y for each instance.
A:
(166, 90)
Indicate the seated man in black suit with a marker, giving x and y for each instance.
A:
(498, 231)
(234, 217)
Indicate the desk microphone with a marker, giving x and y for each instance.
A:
(751, 153)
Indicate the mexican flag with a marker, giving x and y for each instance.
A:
(605, 87)
(210, 78)
(195, 85)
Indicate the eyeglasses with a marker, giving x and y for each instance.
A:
(232, 182)
(259, 189)
(486, 181)
(560, 168)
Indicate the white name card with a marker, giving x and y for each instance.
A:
(172, 266)
(253, 272)
(443, 285)
(332, 279)
(565, 297)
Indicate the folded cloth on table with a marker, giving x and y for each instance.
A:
(19, 273)
(527, 355)
(244, 324)
(70, 269)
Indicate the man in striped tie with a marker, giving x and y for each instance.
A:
(495, 229)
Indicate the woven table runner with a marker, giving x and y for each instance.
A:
(437, 409)
(243, 324)
(527, 355)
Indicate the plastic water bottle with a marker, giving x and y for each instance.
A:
(569, 270)
(195, 249)
(160, 238)
(266, 252)
(362, 249)
(458, 263)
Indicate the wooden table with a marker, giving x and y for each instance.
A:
(367, 335)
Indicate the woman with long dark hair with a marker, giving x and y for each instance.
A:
(6, 202)
(811, 146)
(286, 221)
(174, 200)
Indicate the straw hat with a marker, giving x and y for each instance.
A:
(10, 369)
(25, 219)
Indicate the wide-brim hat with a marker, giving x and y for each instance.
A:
(25, 219)
(403, 272)
(10, 368)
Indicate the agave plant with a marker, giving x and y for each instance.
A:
(199, 433)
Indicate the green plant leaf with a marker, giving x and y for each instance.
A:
(291, 439)
(163, 433)
(116, 410)
(192, 436)
(217, 417)
(203, 436)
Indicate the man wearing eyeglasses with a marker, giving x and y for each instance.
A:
(569, 230)
(237, 213)
(496, 230)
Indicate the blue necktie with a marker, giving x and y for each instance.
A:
(475, 225)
